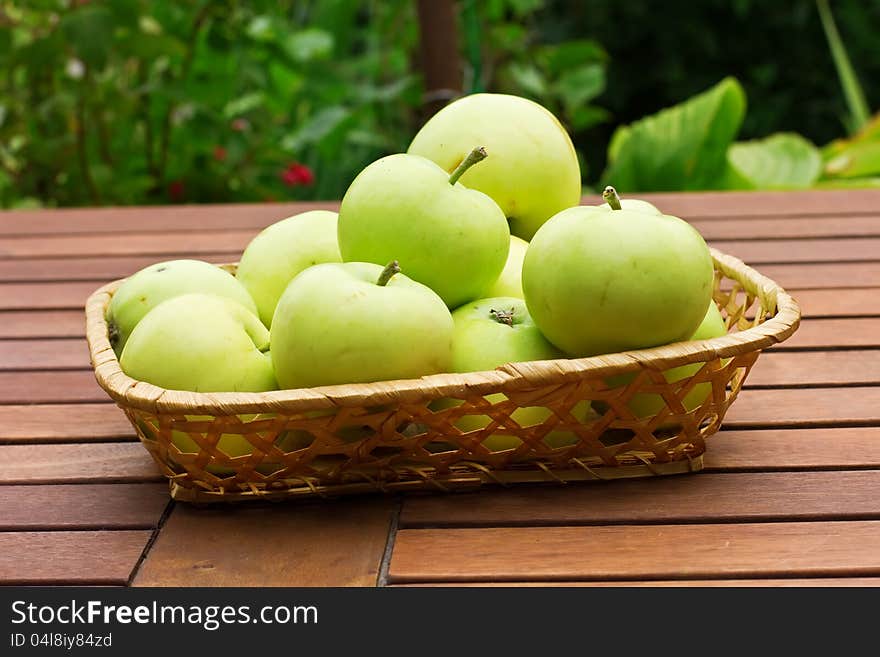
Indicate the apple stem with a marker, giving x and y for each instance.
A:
(391, 268)
(611, 197)
(503, 316)
(476, 155)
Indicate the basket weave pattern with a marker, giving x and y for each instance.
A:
(393, 435)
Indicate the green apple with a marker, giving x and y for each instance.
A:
(355, 323)
(488, 334)
(450, 238)
(534, 171)
(283, 250)
(201, 343)
(154, 284)
(648, 404)
(509, 283)
(598, 282)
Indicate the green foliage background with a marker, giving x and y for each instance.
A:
(136, 101)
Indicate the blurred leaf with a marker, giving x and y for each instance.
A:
(243, 104)
(849, 183)
(316, 128)
(680, 148)
(385, 93)
(781, 161)
(261, 28)
(849, 81)
(581, 85)
(308, 45)
(87, 29)
(583, 117)
(571, 54)
(857, 161)
(618, 139)
(528, 78)
(523, 7)
(870, 132)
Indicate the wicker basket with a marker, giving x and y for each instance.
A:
(399, 436)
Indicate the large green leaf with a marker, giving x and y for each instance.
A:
(860, 159)
(683, 147)
(855, 157)
(781, 161)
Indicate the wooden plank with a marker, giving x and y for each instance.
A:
(803, 203)
(45, 296)
(758, 252)
(788, 227)
(829, 333)
(90, 268)
(721, 205)
(864, 302)
(194, 241)
(79, 557)
(819, 368)
(738, 583)
(82, 506)
(50, 387)
(42, 324)
(844, 447)
(818, 275)
(77, 463)
(63, 354)
(660, 500)
(805, 407)
(72, 423)
(337, 543)
(151, 218)
(736, 550)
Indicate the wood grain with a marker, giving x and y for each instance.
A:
(50, 387)
(338, 543)
(820, 368)
(860, 302)
(77, 463)
(758, 252)
(821, 275)
(804, 203)
(41, 354)
(158, 244)
(162, 219)
(78, 557)
(662, 500)
(42, 324)
(805, 407)
(788, 227)
(738, 550)
(829, 333)
(46, 296)
(90, 268)
(769, 449)
(50, 423)
(82, 506)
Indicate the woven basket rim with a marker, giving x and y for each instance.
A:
(129, 392)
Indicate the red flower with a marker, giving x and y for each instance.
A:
(219, 153)
(297, 174)
(240, 125)
(176, 190)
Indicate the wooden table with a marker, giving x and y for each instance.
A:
(790, 495)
